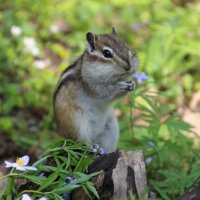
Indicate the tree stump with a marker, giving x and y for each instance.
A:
(122, 173)
(191, 194)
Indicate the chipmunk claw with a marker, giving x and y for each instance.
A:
(127, 85)
(131, 85)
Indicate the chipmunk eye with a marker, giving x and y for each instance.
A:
(107, 53)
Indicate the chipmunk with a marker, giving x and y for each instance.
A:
(83, 100)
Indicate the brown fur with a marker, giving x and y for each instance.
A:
(111, 41)
(65, 109)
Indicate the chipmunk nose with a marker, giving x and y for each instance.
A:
(128, 66)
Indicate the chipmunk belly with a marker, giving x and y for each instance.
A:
(97, 124)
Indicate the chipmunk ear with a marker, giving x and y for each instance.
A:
(91, 39)
(114, 32)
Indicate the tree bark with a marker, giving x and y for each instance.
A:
(122, 174)
(192, 194)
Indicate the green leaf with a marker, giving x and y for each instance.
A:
(84, 177)
(50, 179)
(35, 179)
(57, 196)
(9, 188)
(91, 187)
(162, 194)
(66, 188)
(40, 161)
(86, 191)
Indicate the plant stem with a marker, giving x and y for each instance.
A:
(9, 175)
(131, 116)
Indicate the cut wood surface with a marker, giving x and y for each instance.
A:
(122, 173)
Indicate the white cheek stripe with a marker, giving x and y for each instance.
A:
(97, 53)
(130, 54)
(109, 49)
(68, 73)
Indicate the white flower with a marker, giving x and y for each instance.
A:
(41, 64)
(54, 28)
(26, 197)
(15, 30)
(43, 198)
(35, 51)
(20, 164)
(29, 41)
(30, 46)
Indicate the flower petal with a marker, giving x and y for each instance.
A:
(42, 198)
(136, 75)
(69, 178)
(9, 164)
(25, 159)
(139, 80)
(66, 196)
(102, 151)
(15, 30)
(26, 197)
(93, 150)
(149, 160)
(144, 76)
(20, 168)
(30, 168)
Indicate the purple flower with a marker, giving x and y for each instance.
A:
(97, 149)
(140, 77)
(150, 143)
(102, 151)
(70, 179)
(94, 148)
(137, 26)
(66, 196)
(42, 174)
(149, 160)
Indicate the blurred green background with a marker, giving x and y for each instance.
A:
(39, 39)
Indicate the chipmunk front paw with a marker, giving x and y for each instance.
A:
(126, 86)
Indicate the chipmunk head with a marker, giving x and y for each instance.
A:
(107, 59)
